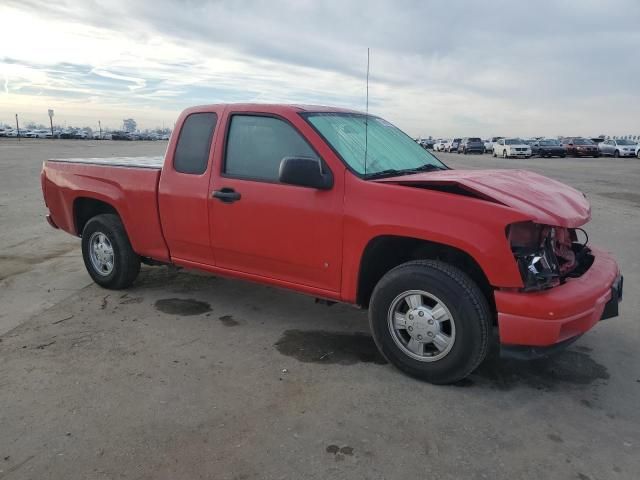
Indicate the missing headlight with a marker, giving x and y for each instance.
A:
(547, 256)
(533, 248)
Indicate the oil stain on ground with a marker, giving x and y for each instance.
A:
(569, 368)
(317, 346)
(182, 306)
(228, 321)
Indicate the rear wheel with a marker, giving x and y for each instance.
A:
(430, 320)
(107, 252)
(504, 154)
(616, 154)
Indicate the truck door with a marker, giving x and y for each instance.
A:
(183, 193)
(265, 228)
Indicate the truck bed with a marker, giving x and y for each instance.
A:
(134, 162)
(127, 184)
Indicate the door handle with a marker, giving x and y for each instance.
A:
(226, 195)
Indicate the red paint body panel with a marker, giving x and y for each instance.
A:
(131, 191)
(544, 200)
(313, 241)
(184, 201)
(280, 232)
(551, 316)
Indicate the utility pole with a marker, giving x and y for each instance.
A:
(18, 127)
(100, 128)
(51, 121)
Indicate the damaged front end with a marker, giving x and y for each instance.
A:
(547, 255)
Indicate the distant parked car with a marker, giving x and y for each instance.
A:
(11, 133)
(452, 145)
(119, 136)
(164, 137)
(548, 147)
(638, 150)
(580, 147)
(426, 143)
(439, 145)
(42, 133)
(471, 145)
(618, 147)
(4, 131)
(488, 145)
(511, 147)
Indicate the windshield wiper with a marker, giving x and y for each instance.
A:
(427, 167)
(392, 172)
(382, 173)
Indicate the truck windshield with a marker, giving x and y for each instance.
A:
(388, 149)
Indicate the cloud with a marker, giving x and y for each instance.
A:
(442, 68)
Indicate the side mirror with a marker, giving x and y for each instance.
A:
(305, 172)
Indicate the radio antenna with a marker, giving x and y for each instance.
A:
(366, 118)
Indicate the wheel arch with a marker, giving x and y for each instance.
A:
(85, 208)
(384, 252)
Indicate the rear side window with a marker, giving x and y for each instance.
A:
(192, 151)
(256, 145)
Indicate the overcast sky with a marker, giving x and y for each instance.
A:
(437, 68)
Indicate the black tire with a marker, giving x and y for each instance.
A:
(504, 154)
(126, 263)
(616, 154)
(461, 296)
(495, 155)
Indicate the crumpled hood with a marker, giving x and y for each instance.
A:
(544, 200)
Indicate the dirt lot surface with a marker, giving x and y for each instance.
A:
(191, 376)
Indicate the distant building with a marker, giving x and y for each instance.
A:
(129, 125)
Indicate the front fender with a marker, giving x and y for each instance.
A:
(474, 226)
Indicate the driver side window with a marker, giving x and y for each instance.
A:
(257, 144)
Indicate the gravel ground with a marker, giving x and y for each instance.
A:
(193, 376)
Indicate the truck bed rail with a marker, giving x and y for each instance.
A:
(133, 162)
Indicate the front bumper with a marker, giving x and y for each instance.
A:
(550, 317)
(587, 153)
(552, 153)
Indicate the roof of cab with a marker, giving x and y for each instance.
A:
(275, 107)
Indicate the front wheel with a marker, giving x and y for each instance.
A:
(616, 154)
(430, 320)
(504, 154)
(107, 252)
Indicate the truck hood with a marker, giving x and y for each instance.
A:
(544, 200)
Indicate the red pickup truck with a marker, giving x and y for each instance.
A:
(345, 207)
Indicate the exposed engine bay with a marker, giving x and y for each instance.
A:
(547, 255)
